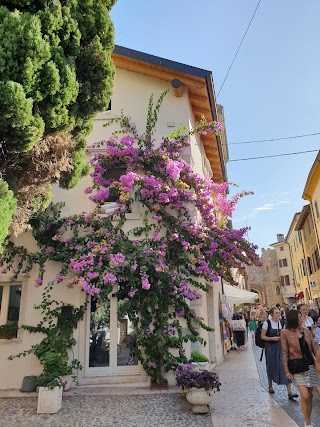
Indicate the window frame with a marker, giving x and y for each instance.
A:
(5, 304)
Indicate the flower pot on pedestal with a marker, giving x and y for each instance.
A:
(199, 366)
(49, 400)
(199, 399)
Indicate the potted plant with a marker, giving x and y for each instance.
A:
(198, 361)
(57, 324)
(50, 393)
(199, 386)
(7, 332)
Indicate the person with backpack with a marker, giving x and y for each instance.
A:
(270, 333)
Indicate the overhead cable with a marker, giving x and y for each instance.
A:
(274, 139)
(274, 155)
(234, 58)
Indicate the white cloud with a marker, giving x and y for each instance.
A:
(265, 207)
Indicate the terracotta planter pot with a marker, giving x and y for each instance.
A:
(199, 399)
(159, 386)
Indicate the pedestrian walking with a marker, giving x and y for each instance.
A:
(317, 333)
(318, 360)
(253, 325)
(307, 320)
(298, 348)
(313, 313)
(275, 370)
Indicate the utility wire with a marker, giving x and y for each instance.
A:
(274, 155)
(274, 139)
(238, 49)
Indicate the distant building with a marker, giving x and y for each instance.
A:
(265, 280)
(285, 271)
(311, 193)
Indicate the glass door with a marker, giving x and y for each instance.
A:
(111, 338)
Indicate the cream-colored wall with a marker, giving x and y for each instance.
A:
(310, 244)
(131, 93)
(316, 218)
(316, 221)
(297, 254)
(287, 291)
(12, 372)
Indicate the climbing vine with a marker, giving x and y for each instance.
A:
(161, 266)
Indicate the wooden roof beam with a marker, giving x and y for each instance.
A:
(157, 73)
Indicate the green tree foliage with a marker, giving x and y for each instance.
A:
(7, 208)
(56, 74)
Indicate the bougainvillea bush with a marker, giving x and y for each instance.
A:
(160, 266)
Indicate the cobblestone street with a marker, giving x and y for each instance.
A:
(242, 401)
(291, 407)
(161, 410)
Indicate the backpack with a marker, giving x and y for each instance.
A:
(257, 338)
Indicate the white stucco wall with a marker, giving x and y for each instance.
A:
(131, 93)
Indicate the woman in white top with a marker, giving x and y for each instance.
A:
(271, 334)
(307, 320)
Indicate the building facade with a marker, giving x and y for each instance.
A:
(311, 193)
(190, 96)
(285, 270)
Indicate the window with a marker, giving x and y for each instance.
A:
(281, 248)
(316, 208)
(277, 290)
(309, 226)
(300, 238)
(304, 234)
(283, 262)
(304, 267)
(10, 301)
(316, 255)
(309, 263)
(285, 280)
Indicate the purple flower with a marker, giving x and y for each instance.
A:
(185, 245)
(145, 283)
(38, 281)
(173, 169)
(59, 278)
(48, 250)
(131, 294)
(109, 278)
(163, 197)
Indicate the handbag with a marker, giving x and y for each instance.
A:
(296, 366)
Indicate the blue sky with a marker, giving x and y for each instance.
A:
(272, 91)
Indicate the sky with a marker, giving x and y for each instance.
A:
(272, 91)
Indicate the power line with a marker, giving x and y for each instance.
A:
(274, 139)
(274, 155)
(238, 48)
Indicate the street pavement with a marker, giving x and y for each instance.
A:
(291, 407)
(243, 401)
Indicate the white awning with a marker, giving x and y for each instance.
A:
(238, 296)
